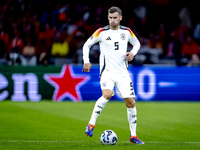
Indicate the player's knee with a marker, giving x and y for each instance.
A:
(107, 94)
(130, 102)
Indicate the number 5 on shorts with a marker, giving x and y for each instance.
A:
(131, 84)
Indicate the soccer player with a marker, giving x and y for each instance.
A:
(113, 40)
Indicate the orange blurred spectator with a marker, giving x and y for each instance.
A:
(190, 47)
(47, 34)
(42, 52)
(5, 37)
(15, 49)
(16, 43)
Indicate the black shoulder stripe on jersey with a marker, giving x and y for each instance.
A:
(106, 27)
(126, 63)
(104, 66)
(123, 27)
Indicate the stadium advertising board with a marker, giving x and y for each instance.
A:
(70, 83)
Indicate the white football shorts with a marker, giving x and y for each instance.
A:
(123, 84)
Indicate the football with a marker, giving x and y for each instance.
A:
(108, 137)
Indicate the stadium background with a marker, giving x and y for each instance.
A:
(41, 40)
(41, 60)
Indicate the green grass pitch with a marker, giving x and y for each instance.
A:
(61, 125)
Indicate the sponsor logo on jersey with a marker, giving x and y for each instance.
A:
(108, 38)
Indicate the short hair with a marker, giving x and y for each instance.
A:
(115, 9)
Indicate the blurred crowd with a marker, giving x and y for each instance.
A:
(50, 32)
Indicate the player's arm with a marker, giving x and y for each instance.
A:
(86, 48)
(136, 46)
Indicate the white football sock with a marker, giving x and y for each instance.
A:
(132, 119)
(100, 104)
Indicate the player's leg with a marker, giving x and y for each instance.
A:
(132, 119)
(131, 114)
(100, 104)
(127, 92)
(106, 86)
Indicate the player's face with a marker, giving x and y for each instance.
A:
(114, 20)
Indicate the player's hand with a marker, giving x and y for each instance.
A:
(87, 67)
(129, 56)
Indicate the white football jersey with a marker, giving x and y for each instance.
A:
(113, 47)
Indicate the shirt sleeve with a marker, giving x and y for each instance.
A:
(134, 42)
(91, 41)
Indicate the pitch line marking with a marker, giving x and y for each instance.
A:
(29, 141)
(16, 141)
(156, 142)
(174, 142)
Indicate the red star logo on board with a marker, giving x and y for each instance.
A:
(66, 84)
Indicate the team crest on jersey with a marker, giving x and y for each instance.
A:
(123, 36)
(104, 84)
